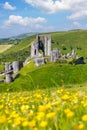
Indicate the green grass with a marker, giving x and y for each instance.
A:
(1, 67)
(4, 48)
(22, 44)
(17, 52)
(52, 74)
(47, 76)
(67, 104)
(70, 40)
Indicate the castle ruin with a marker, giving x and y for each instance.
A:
(41, 47)
(41, 52)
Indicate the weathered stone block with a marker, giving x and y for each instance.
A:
(9, 78)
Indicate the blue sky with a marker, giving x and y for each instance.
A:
(24, 16)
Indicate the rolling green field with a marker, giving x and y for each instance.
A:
(69, 40)
(4, 48)
(18, 52)
(52, 74)
(50, 97)
(47, 76)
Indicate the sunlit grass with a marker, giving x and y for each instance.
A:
(4, 48)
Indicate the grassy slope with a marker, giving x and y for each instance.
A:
(31, 77)
(74, 39)
(24, 43)
(51, 74)
(16, 52)
(4, 48)
(70, 39)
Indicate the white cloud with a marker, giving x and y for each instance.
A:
(78, 15)
(77, 24)
(8, 6)
(48, 6)
(19, 20)
(78, 8)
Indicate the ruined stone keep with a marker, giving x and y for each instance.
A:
(41, 47)
(12, 68)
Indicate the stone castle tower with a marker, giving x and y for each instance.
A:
(47, 45)
(42, 45)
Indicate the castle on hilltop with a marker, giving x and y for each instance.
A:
(42, 45)
(41, 53)
(41, 49)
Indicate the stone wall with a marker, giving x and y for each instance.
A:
(39, 61)
(55, 54)
(34, 49)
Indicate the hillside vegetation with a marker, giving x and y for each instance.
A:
(71, 40)
(4, 48)
(46, 76)
(19, 51)
(51, 74)
(50, 97)
(65, 41)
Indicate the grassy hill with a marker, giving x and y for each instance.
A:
(4, 48)
(19, 51)
(71, 40)
(49, 95)
(46, 76)
(52, 74)
(65, 41)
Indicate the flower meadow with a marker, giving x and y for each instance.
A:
(48, 109)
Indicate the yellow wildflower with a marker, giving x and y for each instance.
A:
(85, 103)
(65, 97)
(66, 110)
(25, 123)
(3, 119)
(7, 111)
(9, 121)
(44, 107)
(69, 113)
(30, 114)
(32, 123)
(80, 127)
(14, 114)
(40, 115)
(51, 115)
(24, 108)
(58, 109)
(1, 106)
(38, 96)
(35, 128)
(43, 124)
(84, 118)
(75, 107)
(17, 122)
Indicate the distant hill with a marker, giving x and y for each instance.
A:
(21, 36)
(11, 40)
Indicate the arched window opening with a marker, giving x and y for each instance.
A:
(35, 52)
